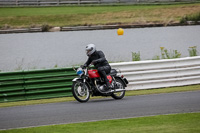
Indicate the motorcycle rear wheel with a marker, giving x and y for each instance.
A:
(80, 91)
(119, 95)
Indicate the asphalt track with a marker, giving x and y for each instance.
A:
(101, 109)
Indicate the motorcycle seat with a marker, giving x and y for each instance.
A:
(112, 72)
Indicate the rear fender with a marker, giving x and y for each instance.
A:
(122, 81)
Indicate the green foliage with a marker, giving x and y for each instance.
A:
(45, 27)
(64, 10)
(20, 17)
(193, 51)
(192, 17)
(136, 56)
(169, 55)
(176, 54)
(56, 66)
(165, 54)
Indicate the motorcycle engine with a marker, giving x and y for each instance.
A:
(102, 87)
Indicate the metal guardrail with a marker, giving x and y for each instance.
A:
(78, 2)
(46, 2)
(161, 73)
(38, 84)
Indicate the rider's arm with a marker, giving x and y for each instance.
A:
(88, 62)
(102, 57)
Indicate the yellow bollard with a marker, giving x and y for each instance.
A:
(120, 31)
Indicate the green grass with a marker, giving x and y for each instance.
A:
(163, 90)
(128, 93)
(16, 17)
(176, 123)
(40, 11)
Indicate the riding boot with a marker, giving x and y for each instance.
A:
(108, 86)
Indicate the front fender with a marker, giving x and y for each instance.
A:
(77, 79)
(81, 81)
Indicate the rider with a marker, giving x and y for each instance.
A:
(97, 58)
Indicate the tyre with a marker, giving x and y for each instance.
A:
(120, 85)
(80, 91)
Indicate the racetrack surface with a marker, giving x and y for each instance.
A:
(101, 109)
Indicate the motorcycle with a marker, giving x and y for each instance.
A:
(89, 83)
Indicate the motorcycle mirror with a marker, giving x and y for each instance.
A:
(74, 68)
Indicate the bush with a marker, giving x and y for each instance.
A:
(193, 17)
(136, 56)
(193, 51)
(45, 28)
(169, 55)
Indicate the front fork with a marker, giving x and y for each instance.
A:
(81, 81)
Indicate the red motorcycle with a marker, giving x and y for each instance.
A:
(90, 83)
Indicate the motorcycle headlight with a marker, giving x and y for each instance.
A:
(79, 71)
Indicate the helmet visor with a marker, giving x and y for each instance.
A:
(89, 51)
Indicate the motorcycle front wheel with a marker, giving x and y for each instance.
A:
(120, 85)
(80, 91)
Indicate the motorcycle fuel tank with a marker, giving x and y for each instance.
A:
(95, 74)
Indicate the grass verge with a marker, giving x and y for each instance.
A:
(19, 17)
(128, 93)
(193, 17)
(175, 123)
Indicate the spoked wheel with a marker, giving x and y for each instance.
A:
(80, 91)
(119, 85)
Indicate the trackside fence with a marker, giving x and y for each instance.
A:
(38, 84)
(76, 2)
(161, 73)
(28, 85)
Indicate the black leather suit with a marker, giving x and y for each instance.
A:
(101, 64)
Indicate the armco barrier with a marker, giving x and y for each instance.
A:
(27, 85)
(78, 2)
(161, 73)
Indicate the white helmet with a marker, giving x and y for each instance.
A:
(90, 49)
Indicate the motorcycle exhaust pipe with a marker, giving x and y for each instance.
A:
(118, 90)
